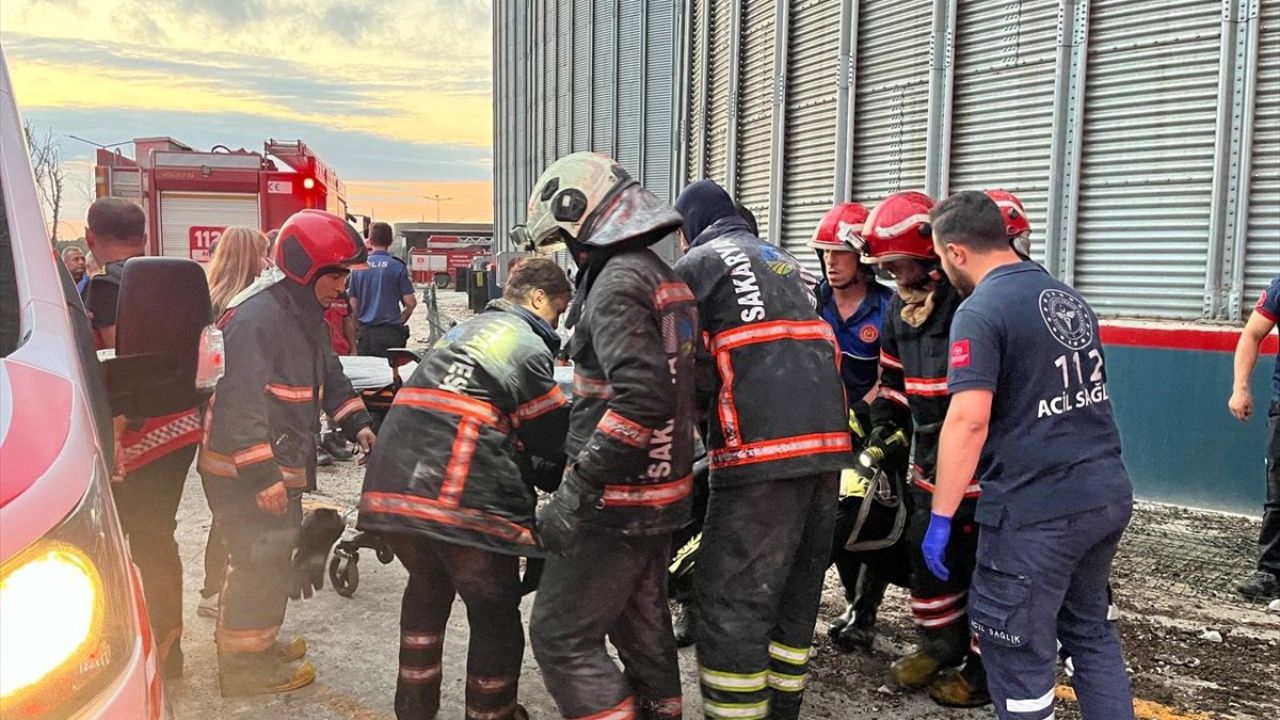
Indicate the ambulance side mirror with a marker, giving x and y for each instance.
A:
(161, 316)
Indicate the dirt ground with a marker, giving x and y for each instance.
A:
(1168, 604)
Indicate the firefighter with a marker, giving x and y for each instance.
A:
(1016, 224)
(154, 454)
(626, 487)
(446, 491)
(913, 393)
(258, 454)
(1056, 497)
(854, 305)
(778, 437)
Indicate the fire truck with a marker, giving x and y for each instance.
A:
(437, 251)
(191, 196)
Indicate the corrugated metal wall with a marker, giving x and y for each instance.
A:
(1135, 101)
(1002, 112)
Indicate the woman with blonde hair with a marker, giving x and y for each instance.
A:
(240, 256)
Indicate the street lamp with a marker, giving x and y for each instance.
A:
(437, 200)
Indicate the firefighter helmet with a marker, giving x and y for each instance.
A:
(312, 241)
(898, 227)
(590, 199)
(839, 227)
(1016, 224)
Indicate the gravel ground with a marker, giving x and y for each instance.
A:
(1175, 672)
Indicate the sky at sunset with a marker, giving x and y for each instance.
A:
(392, 94)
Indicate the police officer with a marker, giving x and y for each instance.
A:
(446, 491)
(630, 447)
(258, 454)
(913, 392)
(1030, 412)
(155, 453)
(381, 297)
(777, 440)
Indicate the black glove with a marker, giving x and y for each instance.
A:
(571, 504)
(321, 528)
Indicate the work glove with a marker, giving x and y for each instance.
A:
(321, 528)
(934, 545)
(571, 504)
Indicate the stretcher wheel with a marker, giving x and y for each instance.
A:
(344, 573)
(385, 554)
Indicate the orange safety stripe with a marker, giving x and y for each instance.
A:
(451, 402)
(623, 430)
(455, 474)
(420, 675)
(434, 511)
(216, 463)
(542, 405)
(803, 330)
(253, 455)
(584, 386)
(347, 409)
(659, 495)
(418, 641)
(496, 714)
(672, 293)
(781, 449)
(727, 407)
(625, 710)
(245, 641)
(925, 387)
(890, 361)
(891, 394)
(294, 477)
(292, 393)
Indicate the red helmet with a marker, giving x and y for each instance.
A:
(1015, 216)
(898, 227)
(312, 241)
(839, 227)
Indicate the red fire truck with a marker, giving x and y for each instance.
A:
(436, 251)
(191, 196)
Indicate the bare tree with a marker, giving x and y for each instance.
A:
(46, 163)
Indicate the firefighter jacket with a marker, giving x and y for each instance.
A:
(771, 375)
(144, 440)
(281, 371)
(913, 381)
(448, 456)
(631, 429)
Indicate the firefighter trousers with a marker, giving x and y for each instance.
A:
(147, 500)
(489, 584)
(938, 607)
(608, 586)
(259, 573)
(765, 551)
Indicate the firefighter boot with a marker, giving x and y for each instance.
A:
(241, 674)
(292, 651)
(914, 670)
(857, 633)
(336, 446)
(962, 687)
(683, 627)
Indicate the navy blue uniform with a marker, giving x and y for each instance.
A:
(379, 290)
(858, 336)
(1269, 539)
(1055, 494)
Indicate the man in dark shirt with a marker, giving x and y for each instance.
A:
(381, 297)
(154, 453)
(1030, 411)
(1265, 581)
(73, 258)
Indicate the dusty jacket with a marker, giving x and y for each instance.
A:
(281, 371)
(631, 429)
(772, 380)
(446, 463)
(913, 380)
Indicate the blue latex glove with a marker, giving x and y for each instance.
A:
(935, 545)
